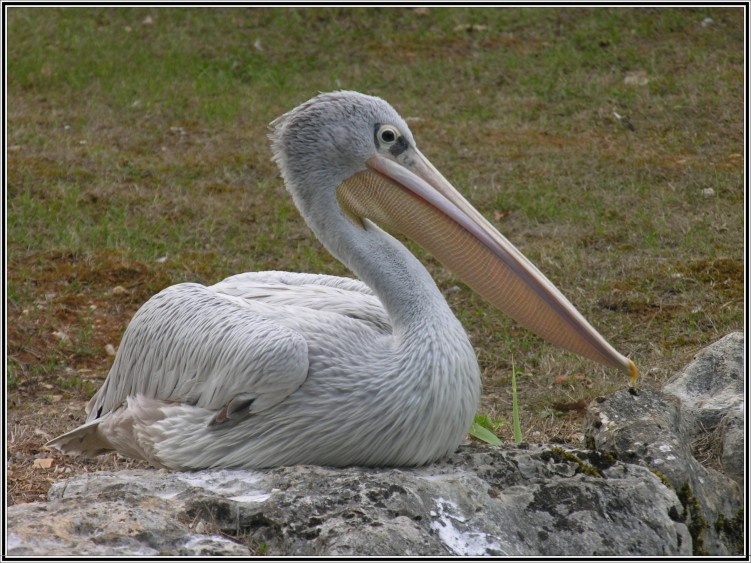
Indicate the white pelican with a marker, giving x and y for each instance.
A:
(274, 368)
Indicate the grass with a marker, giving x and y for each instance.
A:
(518, 437)
(484, 429)
(137, 158)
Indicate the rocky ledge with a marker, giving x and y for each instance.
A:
(648, 485)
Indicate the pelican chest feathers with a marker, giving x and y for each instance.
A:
(274, 368)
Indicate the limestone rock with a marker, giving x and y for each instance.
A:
(711, 391)
(712, 384)
(481, 501)
(733, 445)
(690, 433)
(132, 526)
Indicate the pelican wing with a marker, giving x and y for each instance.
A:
(344, 296)
(230, 350)
(192, 345)
(294, 279)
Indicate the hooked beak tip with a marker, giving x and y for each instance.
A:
(634, 373)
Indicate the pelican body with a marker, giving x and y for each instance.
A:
(276, 368)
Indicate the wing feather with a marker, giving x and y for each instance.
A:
(333, 294)
(190, 344)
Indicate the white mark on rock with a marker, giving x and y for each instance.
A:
(443, 476)
(201, 539)
(235, 485)
(461, 541)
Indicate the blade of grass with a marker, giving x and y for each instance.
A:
(483, 434)
(515, 405)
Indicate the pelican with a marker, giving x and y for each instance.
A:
(275, 368)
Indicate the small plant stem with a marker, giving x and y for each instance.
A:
(515, 405)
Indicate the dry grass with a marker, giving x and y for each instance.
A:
(137, 158)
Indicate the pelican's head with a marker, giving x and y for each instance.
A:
(321, 143)
(354, 152)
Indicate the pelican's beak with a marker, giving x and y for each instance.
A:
(421, 204)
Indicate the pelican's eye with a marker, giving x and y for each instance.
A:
(388, 137)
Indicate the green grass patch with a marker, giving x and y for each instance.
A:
(484, 428)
